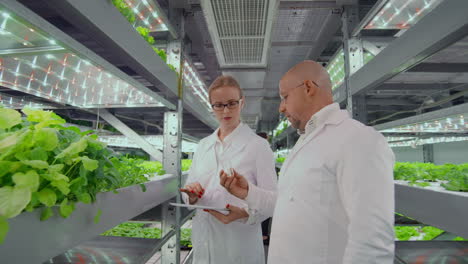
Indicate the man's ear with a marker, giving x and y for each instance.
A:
(311, 88)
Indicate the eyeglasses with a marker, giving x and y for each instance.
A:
(229, 105)
(285, 97)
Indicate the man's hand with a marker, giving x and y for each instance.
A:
(194, 191)
(236, 184)
(235, 213)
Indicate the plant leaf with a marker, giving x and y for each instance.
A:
(3, 228)
(97, 217)
(29, 180)
(9, 118)
(13, 200)
(36, 164)
(74, 148)
(61, 185)
(46, 213)
(66, 209)
(46, 138)
(47, 197)
(84, 198)
(89, 164)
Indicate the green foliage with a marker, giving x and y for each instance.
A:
(186, 237)
(404, 233)
(125, 10)
(9, 118)
(459, 239)
(43, 164)
(3, 228)
(280, 159)
(145, 33)
(129, 229)
(186, 163)
(161, 53)
(456, 176)
(431, 232)
(133, 230)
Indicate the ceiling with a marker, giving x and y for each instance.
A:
(287, 33)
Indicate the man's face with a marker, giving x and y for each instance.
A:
(292, 101)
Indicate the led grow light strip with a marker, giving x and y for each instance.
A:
(434, 140)
(399, 14)
(156, 141)
(63, 77)
(147, 14)
(336, 69)
(19, 103)
(451, 124)
(193, 80)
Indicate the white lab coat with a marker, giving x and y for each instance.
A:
(238, 242)
(335, 199)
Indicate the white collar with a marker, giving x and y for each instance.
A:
(323, 116)
(229, 138)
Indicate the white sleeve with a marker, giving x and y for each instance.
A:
(260, 201)
(266, 183)
(191, 174)
(365, 183)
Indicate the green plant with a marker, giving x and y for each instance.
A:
(455, 175)
(431, 232)
(145, 33)
(133, 230)
(459, 239)
(130, 229)
(125, 10)
(280, 159)
(404, 233)
(186, 237)
(44, 164)
(186, 163)
(161, 53)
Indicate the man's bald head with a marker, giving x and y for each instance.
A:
(304, 90)
(309, 70)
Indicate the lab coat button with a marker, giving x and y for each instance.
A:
(291, 199)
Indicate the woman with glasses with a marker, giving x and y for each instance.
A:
(236, 238)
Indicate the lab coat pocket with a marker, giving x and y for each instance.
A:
(307, 186)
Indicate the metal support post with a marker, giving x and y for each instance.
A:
(354, 60)
(171, 161)
(359, 111)
(428, 153)
(172, 217)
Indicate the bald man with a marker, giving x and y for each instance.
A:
(335, 200)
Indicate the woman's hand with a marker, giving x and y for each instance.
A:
(236, 184)
(194, 191)
(235, 213)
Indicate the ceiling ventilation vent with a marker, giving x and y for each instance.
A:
(240, 30)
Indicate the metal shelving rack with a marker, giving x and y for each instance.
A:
(447, 25)
(30, 240)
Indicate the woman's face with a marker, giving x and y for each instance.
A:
(227, 105)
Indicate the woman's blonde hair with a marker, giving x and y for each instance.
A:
(223, 81)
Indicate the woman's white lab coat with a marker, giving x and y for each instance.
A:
(238, 242)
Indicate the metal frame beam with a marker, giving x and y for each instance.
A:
(102, 21)
(454, 110)
(77, 47)
(415, 45)
(442, 209)
(128, 132)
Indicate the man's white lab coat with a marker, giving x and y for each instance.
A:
(237, 242)
(335, 200)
